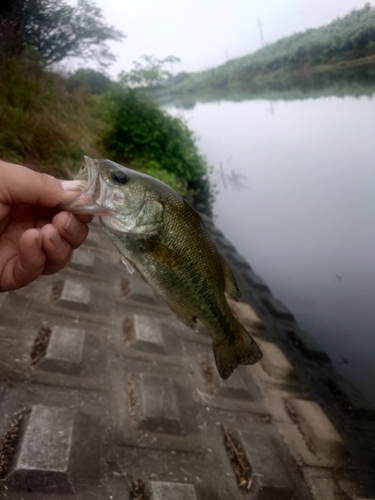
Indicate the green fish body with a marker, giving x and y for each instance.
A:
(165, 240)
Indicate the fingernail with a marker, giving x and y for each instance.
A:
(73, 185)
(39, 237)
(56, 240)
(71, 229)
(68, 223)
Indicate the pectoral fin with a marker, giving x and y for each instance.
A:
(163, 254)
(231, 287)
(128, 266)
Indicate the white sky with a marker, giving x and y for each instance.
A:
(205, 33)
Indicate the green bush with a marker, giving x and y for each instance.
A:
(139, 133)
(153, 168)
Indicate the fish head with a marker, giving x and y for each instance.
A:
(114, 192)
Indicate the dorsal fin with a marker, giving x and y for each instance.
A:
(231, 287)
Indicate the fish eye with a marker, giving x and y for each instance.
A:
(119, 177)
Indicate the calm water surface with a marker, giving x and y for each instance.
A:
(296, 196)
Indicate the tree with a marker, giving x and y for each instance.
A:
(95, 81)
(152, 72)
(10, 28)
(55, 30)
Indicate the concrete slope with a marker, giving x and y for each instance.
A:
(105, 395)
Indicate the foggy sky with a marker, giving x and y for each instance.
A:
(205, 33)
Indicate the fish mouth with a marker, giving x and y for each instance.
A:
(94, 188)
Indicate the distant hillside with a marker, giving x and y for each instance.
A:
(342, 43)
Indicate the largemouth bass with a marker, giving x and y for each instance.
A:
(165, 240)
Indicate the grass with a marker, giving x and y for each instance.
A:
(41, 124)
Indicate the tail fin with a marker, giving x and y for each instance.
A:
(242, 350)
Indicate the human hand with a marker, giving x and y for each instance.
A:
(35, 236)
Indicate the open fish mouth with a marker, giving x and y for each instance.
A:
(93, 191)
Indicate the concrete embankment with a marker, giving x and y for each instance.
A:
(105, 395)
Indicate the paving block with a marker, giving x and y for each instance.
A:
(160, 490)
(307, 345)
(277, 308)
(75, 295)
(313, 347)
(326, 484)
(82, 260)
(2, 297)
(274, 361)
(214, 231)
(226, 244)
(64, 351)
(270, 479)
(141, 291)
(209, 223)
(255, 281)
(240, 261)
(233, 387)
(246, 315)
(43, 460)
(94, 238)
(148, 335)
(323, 488)
(316, 428)
(159, 407)
(358, 401)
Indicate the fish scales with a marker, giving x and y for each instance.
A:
(184, 277)
(166, 242)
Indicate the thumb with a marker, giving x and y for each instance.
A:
(20, 185)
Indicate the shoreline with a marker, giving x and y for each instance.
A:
(348, 77)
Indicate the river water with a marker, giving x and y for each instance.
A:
(295, 184)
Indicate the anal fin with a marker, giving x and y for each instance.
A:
(239, 349)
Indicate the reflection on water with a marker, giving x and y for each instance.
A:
(358, 80)
(233, 179)
(306, 220)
